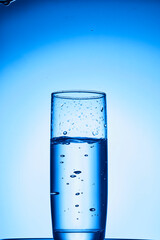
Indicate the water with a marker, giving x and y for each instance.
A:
(7, 2)
(78, 188)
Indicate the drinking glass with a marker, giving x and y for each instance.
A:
(78, 165)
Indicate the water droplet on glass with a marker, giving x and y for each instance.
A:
(77, 193)
(55, 193)
(65, 132)
(72, 176)
(86, 155)
(62, 155)
(92, 209)
(67, 183)
(76, 205)
(77, 172)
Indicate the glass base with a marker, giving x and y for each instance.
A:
(78, 235)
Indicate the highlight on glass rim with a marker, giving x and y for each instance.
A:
(78, 165)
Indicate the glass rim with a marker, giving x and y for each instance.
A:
(78, 94)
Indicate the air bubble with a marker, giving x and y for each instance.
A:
(62, 155)
(94, 133)
(92, 209)
(105, 125)
(102, 109)
(81, 192)
(82, 180)
(77, 172)
(77, 193)
(67, 183)
(61, 162)
(77, 218)
(55, 193)
(65, 132)
(86, 155)
(72, 176)
(76, 205)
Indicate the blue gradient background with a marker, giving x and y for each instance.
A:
(111, 46)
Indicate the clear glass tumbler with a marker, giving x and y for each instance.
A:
(78, 165)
